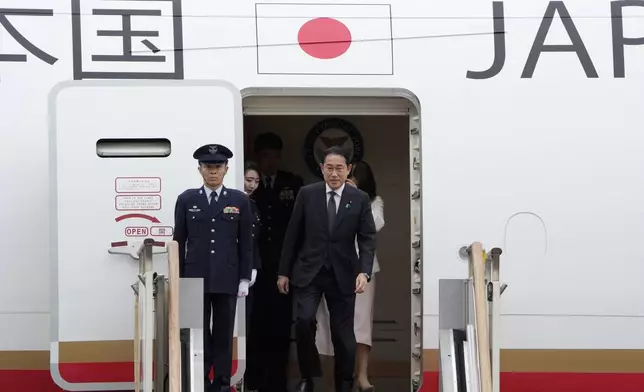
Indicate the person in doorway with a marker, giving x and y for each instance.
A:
(253, 363)
(213, 226)
(362, 177)
(319, 258)
(275, 198)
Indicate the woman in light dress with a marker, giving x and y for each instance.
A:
(362, 177)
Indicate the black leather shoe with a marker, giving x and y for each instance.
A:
(304, 386)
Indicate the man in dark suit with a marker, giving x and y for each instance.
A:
(275, 197)
(213, 226)
(319, 258)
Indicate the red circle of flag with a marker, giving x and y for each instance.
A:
(324, 38)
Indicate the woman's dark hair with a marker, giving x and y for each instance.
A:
(251, 166)
(363, 174)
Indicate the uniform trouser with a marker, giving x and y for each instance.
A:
(251, 343)
(269, 338)
(218, 341)
(341, 313)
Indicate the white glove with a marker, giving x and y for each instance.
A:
(243, 288)
(253, 277)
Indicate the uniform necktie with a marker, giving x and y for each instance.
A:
(330, 210)
(213, 198)
(269, 185)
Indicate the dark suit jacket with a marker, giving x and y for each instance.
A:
(308, 242)
(215, 242)
(275, 208)
(257, 226)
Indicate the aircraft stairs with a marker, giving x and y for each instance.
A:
(168, 342)
(469, 319)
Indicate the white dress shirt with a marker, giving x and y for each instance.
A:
(212, 192)
(269, 180)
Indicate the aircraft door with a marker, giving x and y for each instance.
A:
(121, 153)
(416, 251)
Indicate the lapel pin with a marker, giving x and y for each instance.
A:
(225, 193)
(200, 191)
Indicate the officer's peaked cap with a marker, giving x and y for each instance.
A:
(212, 153)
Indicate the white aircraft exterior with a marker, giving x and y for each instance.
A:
(528, 136)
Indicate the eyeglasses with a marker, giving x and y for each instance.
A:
(331, 169)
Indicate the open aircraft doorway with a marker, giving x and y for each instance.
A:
(384, 132)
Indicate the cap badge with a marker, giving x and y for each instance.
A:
(213, 150)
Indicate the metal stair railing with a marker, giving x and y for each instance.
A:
(156, 317)
(469, 319)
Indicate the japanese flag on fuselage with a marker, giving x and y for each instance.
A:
(324, 39)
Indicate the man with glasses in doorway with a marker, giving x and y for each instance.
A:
(269, 344)
(319, 258)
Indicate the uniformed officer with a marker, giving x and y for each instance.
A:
(213, 226)
(275, 199)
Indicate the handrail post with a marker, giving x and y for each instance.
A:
(145, 253)
(495, 290)
(149, 304)
(477, 267)
(137, 338)
(144, 256)
(173, 318)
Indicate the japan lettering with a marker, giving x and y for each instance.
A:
(148, 44)
(5, 15)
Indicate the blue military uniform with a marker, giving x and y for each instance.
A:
(214, 230)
